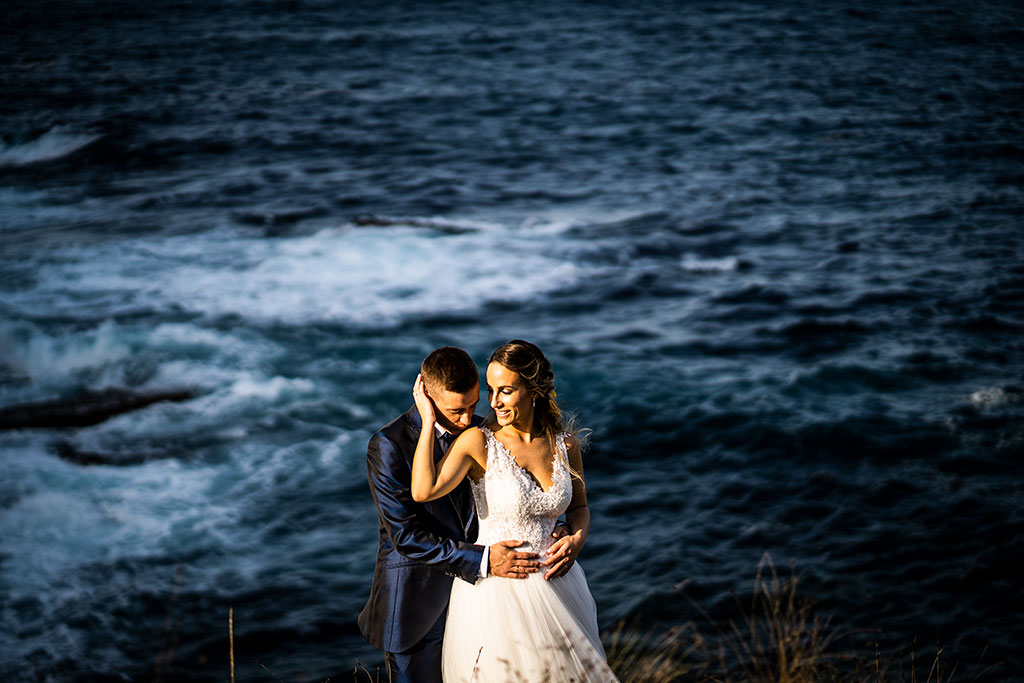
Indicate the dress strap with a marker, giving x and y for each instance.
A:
(563, 448)
(491, 441)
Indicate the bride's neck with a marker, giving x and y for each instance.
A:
(524, 434)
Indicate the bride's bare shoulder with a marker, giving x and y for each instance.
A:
(473, 443)
(471, 437)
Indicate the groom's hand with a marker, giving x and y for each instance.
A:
(510, 563)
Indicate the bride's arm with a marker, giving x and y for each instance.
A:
(430, 482)
(563, 552)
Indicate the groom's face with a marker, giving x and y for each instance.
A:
(454, 411)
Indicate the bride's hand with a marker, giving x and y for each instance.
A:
(423, 402)
(562, 554)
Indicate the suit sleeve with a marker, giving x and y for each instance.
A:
(403, 518)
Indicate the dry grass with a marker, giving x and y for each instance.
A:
(778, 638)
(646, 657)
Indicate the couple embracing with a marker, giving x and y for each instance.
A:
(475, 576)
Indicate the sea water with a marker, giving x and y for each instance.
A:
(773, 253)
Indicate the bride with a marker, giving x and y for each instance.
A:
(525, 472)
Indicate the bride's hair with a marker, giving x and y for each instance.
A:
(527, 361)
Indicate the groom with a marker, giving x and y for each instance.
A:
(423, 546)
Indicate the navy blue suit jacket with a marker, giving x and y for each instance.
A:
(422, 545)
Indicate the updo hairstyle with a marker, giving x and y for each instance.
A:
(527, 361)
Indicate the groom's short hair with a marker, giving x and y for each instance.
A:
(450, 368)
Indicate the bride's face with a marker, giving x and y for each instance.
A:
(508, 396)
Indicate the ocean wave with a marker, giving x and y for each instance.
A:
(694, 264)
(271, 389)
(832, 378)
(59, 360)
(446, 225)
(993, 397)
(52, 145)
(786, 328)
(367, 276)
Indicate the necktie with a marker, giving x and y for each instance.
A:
(446, 440)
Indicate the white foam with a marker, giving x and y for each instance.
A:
(189, 373)
(271, 389)
(177, 334)
(993, 397)
(174, 356)
(694, 264)
(67, 516)
(375, 276)
(53, 144)
(51, 360)
(562, 219)
(333, 454)
(364, 276)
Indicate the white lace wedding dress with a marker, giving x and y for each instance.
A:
(531, 629)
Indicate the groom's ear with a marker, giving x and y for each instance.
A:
(428, 389)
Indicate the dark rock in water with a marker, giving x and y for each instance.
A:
(386, 221)
(279, 223)
(84, 409)
(68, 451)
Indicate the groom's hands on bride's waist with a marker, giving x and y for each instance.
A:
(510, 563)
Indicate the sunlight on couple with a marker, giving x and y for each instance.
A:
(500, 505)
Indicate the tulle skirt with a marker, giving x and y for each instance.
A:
(528, 630)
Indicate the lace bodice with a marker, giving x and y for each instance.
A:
(511, 505)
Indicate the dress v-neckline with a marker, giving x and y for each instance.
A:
(530, 475)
